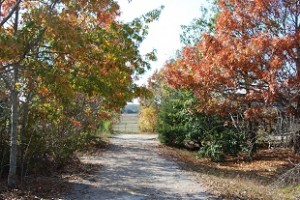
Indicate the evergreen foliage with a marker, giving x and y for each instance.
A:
(180, 124)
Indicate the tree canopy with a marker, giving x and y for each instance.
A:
(250, 61)
(58, 56)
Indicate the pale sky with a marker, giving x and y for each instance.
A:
(164, 33)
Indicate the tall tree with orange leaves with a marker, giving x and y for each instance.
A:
(249, 64)
(56, 49)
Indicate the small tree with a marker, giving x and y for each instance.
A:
(147, 120)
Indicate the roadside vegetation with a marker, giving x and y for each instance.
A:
(236, 178)
(66, 70)
(231, 97)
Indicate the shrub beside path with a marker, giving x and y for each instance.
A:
(133, 169)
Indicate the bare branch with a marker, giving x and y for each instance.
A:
(5, 19)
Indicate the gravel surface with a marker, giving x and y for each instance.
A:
(134, 170)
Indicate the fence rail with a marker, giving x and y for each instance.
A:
(128, 123)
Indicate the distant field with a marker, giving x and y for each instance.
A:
(128, 124)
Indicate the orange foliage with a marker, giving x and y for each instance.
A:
(247, 62)
(76, 123)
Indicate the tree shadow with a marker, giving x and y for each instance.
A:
(131, 192)
(144, 176)
(37, 186)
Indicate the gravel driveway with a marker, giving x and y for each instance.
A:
(134, 170)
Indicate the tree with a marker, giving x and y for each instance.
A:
(249, 64)
(191, 34)
(181, 124)
(56, 50)
(147, 119)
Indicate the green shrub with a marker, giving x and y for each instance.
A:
(173, 118)
(172, 135)
(179, 123)
(105, 127)
(47, 150)
(212, 151)
(217, 144)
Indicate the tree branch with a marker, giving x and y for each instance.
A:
(5, 19)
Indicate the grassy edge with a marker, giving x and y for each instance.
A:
(233, 187)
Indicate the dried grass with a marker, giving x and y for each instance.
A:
(238, 179)
(289, 178)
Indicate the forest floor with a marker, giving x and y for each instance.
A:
(137, 167)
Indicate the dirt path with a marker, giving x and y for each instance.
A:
(134, 170)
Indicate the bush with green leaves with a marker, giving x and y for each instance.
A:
(174, 117)
(179, 123)
(220, 143)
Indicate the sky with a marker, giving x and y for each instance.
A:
(164, 34)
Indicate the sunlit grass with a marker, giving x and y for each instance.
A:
(239, 179)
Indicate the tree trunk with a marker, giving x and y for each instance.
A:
(23, 132)
(12, 176)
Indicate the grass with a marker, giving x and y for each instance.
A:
(238, 179)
